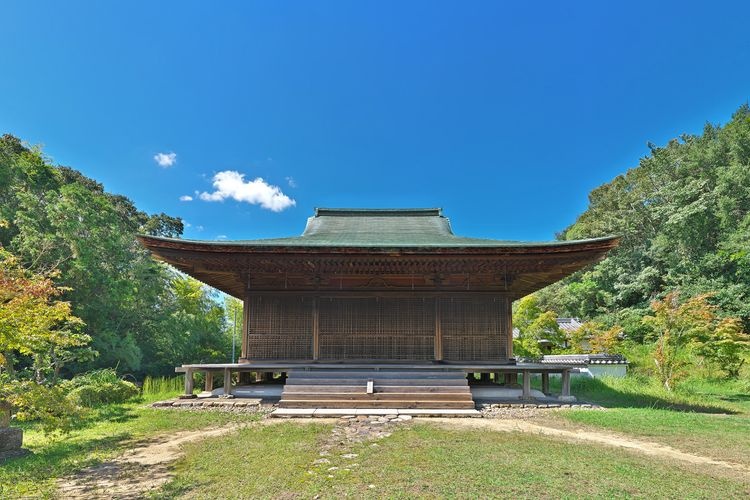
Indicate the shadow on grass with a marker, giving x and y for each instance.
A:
(597, 391)
(735, 398)
(634, 392)
(111, 413)
(59, 458)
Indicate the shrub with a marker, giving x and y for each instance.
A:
(99, 387)
(27, 401)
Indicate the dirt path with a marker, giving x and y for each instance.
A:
(146, 467)
(136, 472)
(644, 447)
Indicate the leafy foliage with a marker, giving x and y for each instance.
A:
(99, 387)
(534, 325)
(32, 321)
(684, 217)
(141, 316)
(28, 401)
(694, 326)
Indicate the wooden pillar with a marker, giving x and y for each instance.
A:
(438, 332)
(511, 378)
(227, 382)
(245, 327)
(189, 383)
(565, 383)
(509, 326)
(485, 377)
(208, 386)
(244, 377)
(545, 383)
(526, 394)
(316, 328)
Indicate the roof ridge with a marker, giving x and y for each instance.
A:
(387, 212)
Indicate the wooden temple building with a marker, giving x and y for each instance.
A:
(377, 307)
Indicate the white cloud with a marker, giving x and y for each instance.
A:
(165, 160)
(231, 184)
(221, 237)
(199, 228)
(186, 197)
(292, 183)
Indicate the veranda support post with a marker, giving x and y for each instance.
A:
(565, 395)
(189, 384)
(227, 382)
(526, 394)
(209, 382)
(545, 383)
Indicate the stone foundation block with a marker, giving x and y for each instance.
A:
(11, 439)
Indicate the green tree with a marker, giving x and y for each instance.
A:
(35, 324)
(684, 216)
(727, 346)
(32, 321)
(56, 218)
(534, 324)
(693, 327)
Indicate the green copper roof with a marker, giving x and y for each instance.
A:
(350, 227)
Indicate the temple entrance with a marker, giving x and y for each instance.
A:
(377, 328)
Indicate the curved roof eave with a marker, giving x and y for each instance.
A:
(306, 245)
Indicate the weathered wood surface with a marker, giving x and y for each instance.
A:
(208, 385)
(545, 383)
(390, 388)
(227, 382)
(513, 270)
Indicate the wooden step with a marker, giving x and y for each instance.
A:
(337, 396)
(392, 388)
(413, 389)
(457, 405)
(379, 381)
(379, 373)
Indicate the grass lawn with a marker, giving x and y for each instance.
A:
(723, 437)
(424, 460)
(703, 417)
(106, 432)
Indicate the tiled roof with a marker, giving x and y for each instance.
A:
(569, 325)
(412, 227)
(584, 359)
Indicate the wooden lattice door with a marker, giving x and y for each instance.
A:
(377, 328)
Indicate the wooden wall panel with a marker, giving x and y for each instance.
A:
(280, 328)
(473, 328)
(377, 328)
(464, 327)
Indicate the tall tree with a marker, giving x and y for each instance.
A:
(684, 217)
(56, 218)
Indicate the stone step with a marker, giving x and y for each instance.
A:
(340, 412)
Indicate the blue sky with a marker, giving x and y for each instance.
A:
(504, 114)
